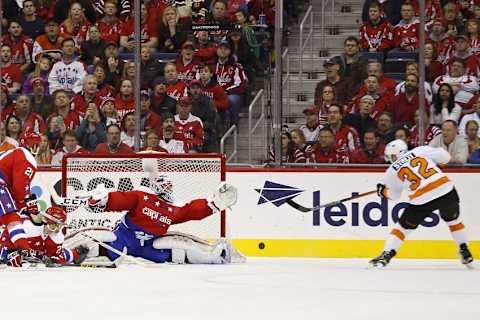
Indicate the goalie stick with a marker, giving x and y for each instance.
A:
(68, 202)
(301, 208)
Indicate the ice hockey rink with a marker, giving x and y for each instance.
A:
(261, 288)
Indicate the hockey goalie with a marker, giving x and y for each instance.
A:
(142, 232)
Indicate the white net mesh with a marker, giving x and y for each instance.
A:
(193, 177)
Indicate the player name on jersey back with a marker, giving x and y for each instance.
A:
(397, 165)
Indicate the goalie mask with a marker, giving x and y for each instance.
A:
(395, 148)
(31, 142)
(162, 186)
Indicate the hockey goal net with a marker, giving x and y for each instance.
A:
(193, 177)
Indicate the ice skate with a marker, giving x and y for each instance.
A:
(465, 254)
(383, 259)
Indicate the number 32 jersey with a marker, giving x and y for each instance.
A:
(418, 172)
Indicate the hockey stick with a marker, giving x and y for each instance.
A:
(93, 265)
(301, 208)
(69, 202)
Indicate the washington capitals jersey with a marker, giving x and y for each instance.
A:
(17, 169)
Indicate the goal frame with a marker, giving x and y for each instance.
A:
(150, 155)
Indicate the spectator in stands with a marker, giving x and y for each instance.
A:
(148, 120)
(463, 85)
(168, 144)
(204, 108)
(113, 144)
(88, 95)
(402, 132)
(91, 131)
(129, 71)
(372, 151)
(231, 77)
(49, 43)
(472, 137)
(443, 42)
(160, 101)
(32, 25)
(403, 106)
(70, 145)
(361, 121)
(299, 139)
(68, 73)
(385, 128)
(386, 86)
(187, 65)
(245, 55)
(475, 116)
(45, 9)
(248, 34)
(449, 140)
(352, 64)
(109, 24)
(371, 89)
(20, 44)
(412, 68)
(444, 107)
(70, 119)
(42, 70)
(311, 127)
(151, 141)
(290, 154)
(472, 32)
(343, 86)
(433, 67)
(171, 32)
(452, 19)
(63, 10)
(54, 132)
(112, 64)
(93, 49)
(13, 129)
(464, 52)
(188, 128)
(219, 17)
(42, 103)
(328, 98)
(406, 32)
(6, 143)
(104, 88)
(175, 87)
(376, 33)
(430, 130)
(214, 91)
(205, 49)
(124, 100)
(76, 25)
(390, 10)
(346, 137)
(108, 112)
(127, 136)
(31, 122)
(150, 68)
(11, 73)
(326, 150)
(44, 155)
(149, 34)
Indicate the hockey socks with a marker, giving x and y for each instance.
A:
(396, 237)
(457, 228)
(17, 236)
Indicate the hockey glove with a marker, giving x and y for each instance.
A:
(98, 200)
(82, 252)
(224, 197)
(381, 190)
(14, 259)
(31, 206)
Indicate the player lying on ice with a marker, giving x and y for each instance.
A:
(151, 211)
(45, 238)
(418, 172)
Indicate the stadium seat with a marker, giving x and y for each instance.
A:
(396, 61)
(399, 77)
(373, 56)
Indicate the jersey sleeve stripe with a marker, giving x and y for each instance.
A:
(429, 187)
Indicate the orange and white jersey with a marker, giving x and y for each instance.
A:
(418, 172)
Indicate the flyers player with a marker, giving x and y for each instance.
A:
(429, 189)
(17, 169)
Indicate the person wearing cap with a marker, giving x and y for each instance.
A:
(187, 64)
(344, 88)
(148, 31)
(464, 52)
(32, 24)
(406, 32)
(175, 87)
(464, 85)
(311, 127)
(231, 77)
(160, 101)
(50, 42)
(11, 73)
(188, 128)
(148, 120)
(362, 120)
(205, 48)
(112, 64)
(172, 33)
(149, 67)
(21, 45)
(108, 112)
(168, 144)
(376, 33)
(109, 24)
(42, 103)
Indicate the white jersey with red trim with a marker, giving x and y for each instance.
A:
(417, 172)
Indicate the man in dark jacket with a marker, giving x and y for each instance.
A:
(352, 64)
(149, 67)
(362, 120)
(160, 101)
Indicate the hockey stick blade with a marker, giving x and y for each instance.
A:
(68, 202)
(93, 265)
(301, 208)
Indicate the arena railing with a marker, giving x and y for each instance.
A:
(303, 42)
(253, 126)
(233, 131)
(286, 80)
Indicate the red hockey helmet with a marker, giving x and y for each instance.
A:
(57, 213)
(29, 140)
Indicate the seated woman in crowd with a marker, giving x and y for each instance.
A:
(444, 107)
(76, 25)
(290, 153)
(300, 143)
(42, 69)
(13, 129)
(171, 32)
(44, 155)
(471, 132)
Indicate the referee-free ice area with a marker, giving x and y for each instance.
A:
(261, 288)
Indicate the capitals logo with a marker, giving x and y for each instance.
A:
(375, 213)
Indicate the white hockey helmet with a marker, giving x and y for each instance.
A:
(162, 186)
(396, 148)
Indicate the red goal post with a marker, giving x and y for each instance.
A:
(194, 176)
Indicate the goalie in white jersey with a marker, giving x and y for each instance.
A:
(418, 172)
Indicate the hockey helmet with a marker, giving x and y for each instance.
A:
(56, 213)
(30, 141)
(162, 186)
(395, 148)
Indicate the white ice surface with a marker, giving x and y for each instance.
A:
(281, 288)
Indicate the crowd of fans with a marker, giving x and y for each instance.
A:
(68, 72)
(358, 109)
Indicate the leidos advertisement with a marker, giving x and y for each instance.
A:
(263, 210)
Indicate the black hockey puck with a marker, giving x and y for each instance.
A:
(261, 245)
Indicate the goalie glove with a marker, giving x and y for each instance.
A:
(224, 197)
(98, 200)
